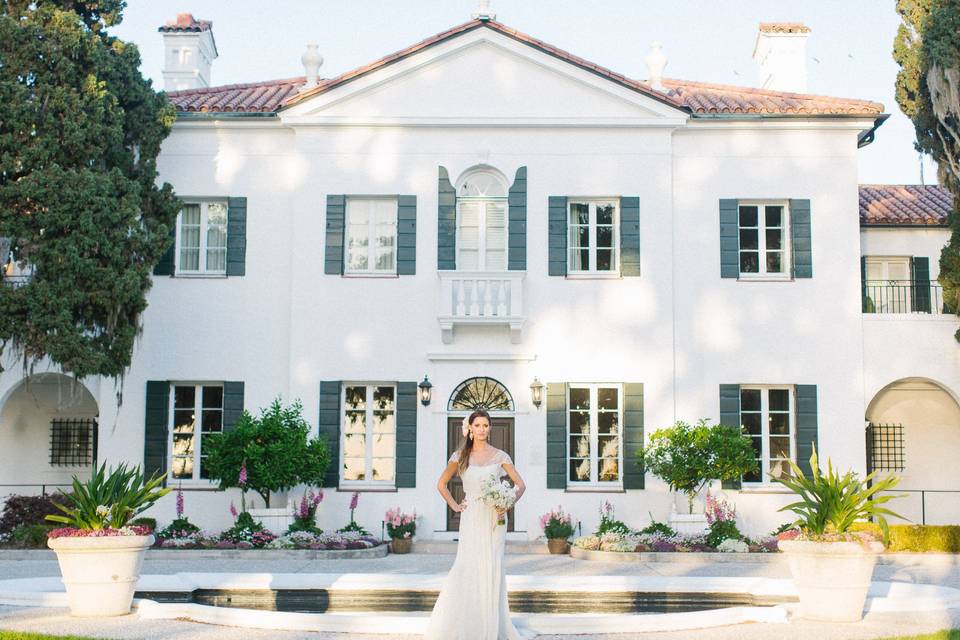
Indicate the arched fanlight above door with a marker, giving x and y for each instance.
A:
(480, 393)
(482, 183)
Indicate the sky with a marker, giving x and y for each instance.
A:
(849, 49)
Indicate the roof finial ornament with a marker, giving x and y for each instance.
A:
(311, 60)
(484, 12)
(656, 62)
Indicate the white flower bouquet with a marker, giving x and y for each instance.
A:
(498, 494)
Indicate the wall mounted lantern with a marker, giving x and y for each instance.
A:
(426, 391)
(536, 392)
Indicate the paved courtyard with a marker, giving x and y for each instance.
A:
(934, 569)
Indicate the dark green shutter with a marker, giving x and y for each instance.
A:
(807, 437)
(729, 239)
(517, 225)
(236, 236)
(557, 240)
(406, 435)
(864, 305)
(232, 404)
(556, 435)
(446, 223)
(165, 266)
(329, 425)
(155, 428)
(800, 235)
(333, 254)
(730, 416)
(920, 274)
(633, 475)
(630, 237)
(406, 235)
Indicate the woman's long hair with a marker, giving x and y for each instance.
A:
(463, 456)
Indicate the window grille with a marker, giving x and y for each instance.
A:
(885, 447)
(72, 441)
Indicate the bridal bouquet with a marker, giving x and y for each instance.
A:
(498, 495)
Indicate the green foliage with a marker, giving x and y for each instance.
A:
(353, 526)
(658, 528)
(20, 510)
(243, 529)
(32, 536)
(831, 503)
(150, 523)
(558, 529)
(302, 524)
(109, 499)
(80, 131)
(917, 537)
(610, 525)
(179, 528)
(274, 448)
(721, 530)
(927, 48)
(687, 457)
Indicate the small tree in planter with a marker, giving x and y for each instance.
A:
(831, 564)
(99, 554)
(274, 450)
(687, 457)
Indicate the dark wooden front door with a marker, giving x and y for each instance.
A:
(501, 436)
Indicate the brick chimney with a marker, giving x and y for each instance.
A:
(189, 52)
(781, 52)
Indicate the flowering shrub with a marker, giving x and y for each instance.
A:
(722, 518)
(247, 530)
(353, 526)
(305, 513)
(590, 543)
(400, 524)
(733, 546)
(556, 524)
(70, 532)
(608, 522)
(325, 541)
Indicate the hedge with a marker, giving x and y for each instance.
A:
(917, 537)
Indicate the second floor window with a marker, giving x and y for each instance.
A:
(888, 285)
(592, 243)
(202, 238)
(763, 239)
(766, 414)
(371, 235)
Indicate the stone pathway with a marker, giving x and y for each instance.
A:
(942, 570)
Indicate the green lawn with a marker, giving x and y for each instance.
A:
(939, 635)
(23, 635)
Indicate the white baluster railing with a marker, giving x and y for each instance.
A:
(481, 298)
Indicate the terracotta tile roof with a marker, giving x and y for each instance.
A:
(186, 22)
(695, 97)
(904, 204)
(784, 27)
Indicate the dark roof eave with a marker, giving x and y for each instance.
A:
(904, 225)
(790, 116)
(224, 115)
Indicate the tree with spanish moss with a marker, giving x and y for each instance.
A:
(927, 48)
(80, 208)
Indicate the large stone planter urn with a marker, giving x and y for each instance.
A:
(558, 546)
(100, 573)
(832, 578)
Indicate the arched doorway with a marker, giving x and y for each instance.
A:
(48, 434)
(472, 394)
(913, 431)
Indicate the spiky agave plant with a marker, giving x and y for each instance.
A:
(831, 503)
(109, 499)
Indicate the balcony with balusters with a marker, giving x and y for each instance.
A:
(481, 298)
(902, 297)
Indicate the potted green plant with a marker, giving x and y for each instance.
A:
(99, 552)
(831, 564)
(400, 527)
(687, 457)
(557, 528)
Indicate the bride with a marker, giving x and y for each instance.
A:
(473, 601)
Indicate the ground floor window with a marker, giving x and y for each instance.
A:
(369, 435)
(594, 436)
(766, 414)
(71, 441)
(197, 412)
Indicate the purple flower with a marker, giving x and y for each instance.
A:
(179, 503)
(354, 500)
(242, 479)
(233, 510)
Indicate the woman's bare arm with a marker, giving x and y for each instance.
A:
(444, 492)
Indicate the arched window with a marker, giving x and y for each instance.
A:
(482, 221)
(480, 393)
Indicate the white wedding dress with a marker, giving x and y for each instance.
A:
(472, 604)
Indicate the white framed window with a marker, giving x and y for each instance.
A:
(368, 436)
(764, 239)
(888, 284)
(482, 222)
(594, 435)
(767, 416)
(371, 243)
(196, 412)
(593, 241)
(202, 238)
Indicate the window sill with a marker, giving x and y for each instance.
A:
(761, 489)
(200, 276)
(365, 488)
(371, 275)
(595, 489)
(763, 278)
(595, 276)
(193, 485)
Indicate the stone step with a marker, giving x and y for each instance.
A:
(518, 547)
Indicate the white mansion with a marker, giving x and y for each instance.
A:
(488, 211)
